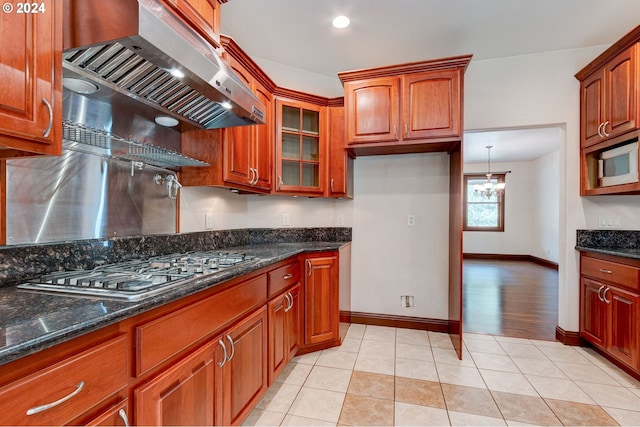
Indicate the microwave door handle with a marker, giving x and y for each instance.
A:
(600, 168)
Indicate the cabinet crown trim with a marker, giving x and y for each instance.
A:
(407, 68)
(628, 40)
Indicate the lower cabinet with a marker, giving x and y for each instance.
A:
(610, 308)
(182, 395)
(217, 384)
(243, 377)
(321, 293)
(285, 324)
(114, 416)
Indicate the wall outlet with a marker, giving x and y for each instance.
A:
(406, 301)
(411, 220)
(285, 219)
(208, 220)
(613, 221)
(340, 220)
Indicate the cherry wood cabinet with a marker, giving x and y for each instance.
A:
(321, 293)
(405, 108)
(63, 392)
(609, 110)
(202, 15)
(608, 106)
(243, 378)
(205, 359)
(117, 415)
(285, 326)
(31, 75)
(183, 395)
(300, 158)
(240, 157)
(340, 162)
(610, 306)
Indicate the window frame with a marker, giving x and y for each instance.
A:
(500, 177)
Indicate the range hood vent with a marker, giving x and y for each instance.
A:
(133, 48)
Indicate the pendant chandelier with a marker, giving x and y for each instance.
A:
(489, 189)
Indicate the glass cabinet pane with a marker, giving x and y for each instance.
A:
(310, 148)
(290, 146)
(310, 175)
(290, 173)
(290, 118)
(310, 122)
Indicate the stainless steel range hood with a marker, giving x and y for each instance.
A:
(140, 49)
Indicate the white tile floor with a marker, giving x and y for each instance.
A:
(415, 378)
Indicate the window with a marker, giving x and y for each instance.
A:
(482, 212)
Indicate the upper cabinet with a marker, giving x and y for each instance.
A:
(202, 15)
(301, 147)
(405, 108)
(31, 74)
(240, 157)
(608, 105)
(340, 170)
(609, 121)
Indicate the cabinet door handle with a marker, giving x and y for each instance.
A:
(257, 177)
(42, 408)
(604, 296)
(602, 270)
(309, 268)
(279, 183)
(224, 354)
(289, 302)
(47, 130)
(394, 131)
(332, 180)
(287, 276)
(233, 348)
(406, 129)
(604, 128)
(123, 416)
(600, 290)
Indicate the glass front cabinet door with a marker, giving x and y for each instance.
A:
(300, 148)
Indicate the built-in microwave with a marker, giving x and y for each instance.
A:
(618, 165)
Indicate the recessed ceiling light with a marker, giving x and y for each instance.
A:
(226, 104)
(79, 86)
(166, 121)
(341, 21)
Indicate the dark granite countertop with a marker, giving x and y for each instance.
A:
(622, 243)
(32, 321)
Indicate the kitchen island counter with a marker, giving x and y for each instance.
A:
(32, 321)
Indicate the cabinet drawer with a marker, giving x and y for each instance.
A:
(283, 277)
(621, 274)
(168, 335)
(70, 387)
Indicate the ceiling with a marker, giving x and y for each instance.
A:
(298, 34)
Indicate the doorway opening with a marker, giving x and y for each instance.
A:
(510, 276)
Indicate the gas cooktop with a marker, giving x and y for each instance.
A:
(138, 279)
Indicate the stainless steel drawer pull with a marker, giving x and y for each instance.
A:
(289, 299)
(602, 270)
(287, 276)
(233, 348)
(47, 130)
(123, 416)
(42, 408)
(224, 354)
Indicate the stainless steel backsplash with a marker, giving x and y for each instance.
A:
(83, 196)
